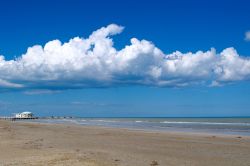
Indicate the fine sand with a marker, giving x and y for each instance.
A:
(49, 144)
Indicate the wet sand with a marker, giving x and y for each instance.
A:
(62, 144)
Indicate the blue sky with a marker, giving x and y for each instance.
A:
(170, 25)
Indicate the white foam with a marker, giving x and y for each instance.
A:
(207, 123)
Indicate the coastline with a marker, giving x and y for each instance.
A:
(146, 130)
(221, 126)
(25, 143)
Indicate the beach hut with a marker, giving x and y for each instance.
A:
(24, 115)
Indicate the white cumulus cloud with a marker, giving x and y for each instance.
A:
(95, 62)
(247, 36)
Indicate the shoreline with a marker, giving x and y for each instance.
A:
(172, 130)
(142, 130)
(25, 143)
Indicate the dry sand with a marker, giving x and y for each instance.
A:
(49, 144)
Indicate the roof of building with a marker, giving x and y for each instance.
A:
(26, 113)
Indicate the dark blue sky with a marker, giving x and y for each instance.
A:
(189, 25)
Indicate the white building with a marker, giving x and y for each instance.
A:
(24, 115)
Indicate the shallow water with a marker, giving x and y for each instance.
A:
(237, 126)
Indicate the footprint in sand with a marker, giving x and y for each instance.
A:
(154, 163)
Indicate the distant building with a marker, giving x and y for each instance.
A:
(24, 115)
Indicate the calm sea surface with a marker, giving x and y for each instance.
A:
(237, 126)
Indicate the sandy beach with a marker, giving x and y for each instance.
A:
(62, 144)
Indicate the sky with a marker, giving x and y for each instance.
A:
(123, 58)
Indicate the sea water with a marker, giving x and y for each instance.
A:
(235, 126)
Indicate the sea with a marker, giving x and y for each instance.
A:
(229, 126)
